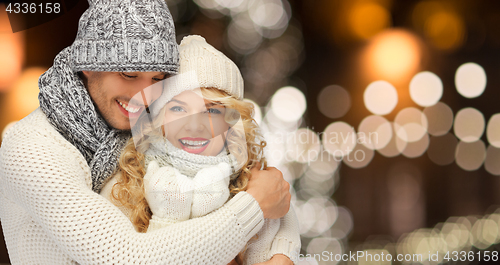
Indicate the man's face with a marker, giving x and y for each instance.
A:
(112, 93)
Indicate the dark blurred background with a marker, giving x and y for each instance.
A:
(421, 75)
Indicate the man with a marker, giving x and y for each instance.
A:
(54, 162)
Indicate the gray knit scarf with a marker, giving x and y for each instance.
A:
(69, 108)
(166, 154)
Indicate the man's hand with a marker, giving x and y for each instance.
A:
(270, 190)
(278, 259)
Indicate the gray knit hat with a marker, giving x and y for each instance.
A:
(126, 36)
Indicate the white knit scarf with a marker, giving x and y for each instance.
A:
(69, 108)
(166, 154)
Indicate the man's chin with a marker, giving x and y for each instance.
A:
(121, 124)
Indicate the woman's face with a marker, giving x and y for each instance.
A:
(195, 125)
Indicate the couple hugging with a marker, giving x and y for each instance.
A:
(142, 152)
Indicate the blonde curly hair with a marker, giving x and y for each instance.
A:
(128, 192)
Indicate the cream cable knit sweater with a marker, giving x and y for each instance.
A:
(170, 205)
(50, 215)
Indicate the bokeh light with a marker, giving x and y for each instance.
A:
(344, 223)
(469, 125)
(288, 104)
(442, 149)
(393, 55)
(339, 139)
(412, 124)
(328, 244)
(207, 4)
(275, 124)
(360, 157)
(484, 233)
(275, 147)
(470, 80)
(11, 51)
(366, 19)
(23, 98)
(491, 164)
(317, 215)
(334, 101)
(396, 145)
(267, 13)
(374, 132)
(439, 118)
(470, 155)
(380, 97)
(418, 148)
(426, 89)
(303, 145)
(493, 130)
(445, 30)
(324, 165)
(242, 36)
(317, 185)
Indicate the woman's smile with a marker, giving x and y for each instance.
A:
(194, 145)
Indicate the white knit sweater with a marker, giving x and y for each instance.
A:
(50, 215)
(278, 236)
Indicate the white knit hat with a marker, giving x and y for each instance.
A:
(201, 65)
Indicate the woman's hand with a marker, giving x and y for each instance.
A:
(278, 259)
(270, 190)
(211, 189)
(168, 192)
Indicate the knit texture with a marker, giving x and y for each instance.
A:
(69, 108)
(166, 154)
(125, 36)
(201, 65)
(174, 197)
(277, 236)
(50, 215)
(174, 204)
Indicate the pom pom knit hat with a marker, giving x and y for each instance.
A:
(201, 65)
(125, 36)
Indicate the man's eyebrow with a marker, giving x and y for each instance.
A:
(178, 101)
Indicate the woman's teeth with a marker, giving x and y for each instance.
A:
(128, 108)
(194, 144)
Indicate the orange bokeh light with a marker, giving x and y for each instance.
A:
(11, 51)
(441, 24)
(445, 30)
(368, 19)
(393, 55)
(23, 98)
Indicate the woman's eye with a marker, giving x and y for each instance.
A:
(176, 109)
(214, 111)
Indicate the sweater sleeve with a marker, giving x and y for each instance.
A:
(287, 239)
(277, 236)
(48, 178)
